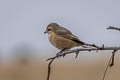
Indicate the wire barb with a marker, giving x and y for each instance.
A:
(77, 52)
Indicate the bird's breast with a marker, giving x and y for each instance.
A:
(61, 42)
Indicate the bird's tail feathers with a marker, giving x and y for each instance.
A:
(91, 45)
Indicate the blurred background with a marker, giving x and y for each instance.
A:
(24, 47)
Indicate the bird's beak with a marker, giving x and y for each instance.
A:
(45, 32)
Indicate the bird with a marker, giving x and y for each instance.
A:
(62, 38)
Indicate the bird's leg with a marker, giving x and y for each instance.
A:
(60, 52)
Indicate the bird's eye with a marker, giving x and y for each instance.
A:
(49, 29)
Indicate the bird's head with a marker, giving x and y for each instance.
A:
(52, 27)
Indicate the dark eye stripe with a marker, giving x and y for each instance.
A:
(49, 29)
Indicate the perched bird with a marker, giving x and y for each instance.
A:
(62, 38)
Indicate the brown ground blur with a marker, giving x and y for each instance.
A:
(62, 69)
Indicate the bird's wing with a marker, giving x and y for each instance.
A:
(67, 34)
(62, 30)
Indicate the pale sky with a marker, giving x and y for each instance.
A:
(24, 21)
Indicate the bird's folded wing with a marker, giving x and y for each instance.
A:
(67, 34)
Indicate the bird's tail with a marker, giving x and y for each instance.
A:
(86, 45)
(91, 45)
